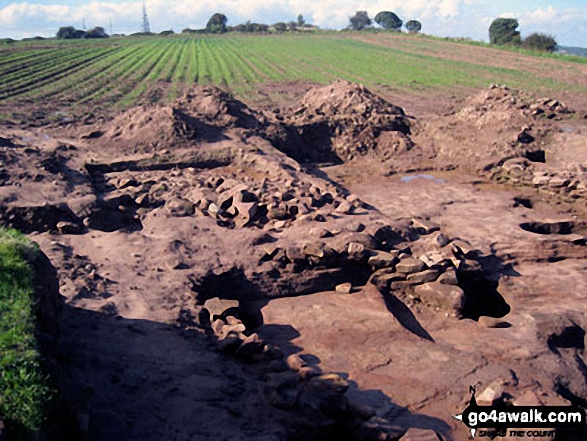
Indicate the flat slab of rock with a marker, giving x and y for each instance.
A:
(446, 297)
(410, 266)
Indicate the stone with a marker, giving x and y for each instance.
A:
(449, 277)
(539, 181)
(295, 362)
(446, 297)
(308, 372)
(217, 306)
(69, 228)
(324, 393)
(558, 182)
(439, 240)
(181, 208)
(424, 227)
(320, 233)
(380, 429)
(424, 276)
(263, 239)
(314, 249)
(246, 213)
(416, 434)
(229, 344)
(492, 393)
(251, 346)
(344, 288)
(410, 266)
(434, 259)
(345, 207)
(278, 213)
(213, 209)
(383, 259)
(356, 251)
(383, 278)
(461, 248)
(295, 254)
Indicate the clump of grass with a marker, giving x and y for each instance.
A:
(23, 387)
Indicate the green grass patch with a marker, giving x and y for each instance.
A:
(23, 387)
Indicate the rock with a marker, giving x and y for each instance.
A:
(263, 239)
(251, 346)
(324, 393)
(383, 259)
(320, 233)
(246, 213)
(344, 288)
(446, 297)
(424, 227)
(434, 259)
(69, 228)
(379, 429)
(314, 249)
(558, 182)
(564, 226)
(356, 251)
(235, 328)
(415, 434)
(461, 248)
(217, 306)
(515, 165)
(439, 240)
(539, 181)
(308, 372)
(181, 208)
(424, 276)
(281, 389)
(230, 343)
(383, 278)
(345, 207)
(279, 212)
(213, 209)
(363, 412)
(449, 277)
(491, 394)
(294, 254)
(410, 266)
(492, 322)
(295, 362)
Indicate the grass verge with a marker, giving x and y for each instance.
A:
(24, 392)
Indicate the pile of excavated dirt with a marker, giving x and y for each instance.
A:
(201, 115)
(344, 121)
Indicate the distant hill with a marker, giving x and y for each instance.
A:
(580, 51)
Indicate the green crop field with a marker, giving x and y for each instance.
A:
(122, 72)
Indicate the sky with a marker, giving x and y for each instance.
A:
(566, 20)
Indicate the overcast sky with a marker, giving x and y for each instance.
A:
(565, 19)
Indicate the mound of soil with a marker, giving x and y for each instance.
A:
(202, 114)
(499, 104)
(342, 121)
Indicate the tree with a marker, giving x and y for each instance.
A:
(540, 42)
(413, 26)
(217, 24)
(66, 32)
(293, 26)
(280, 27)
(503, 31)
(97, 32)
(388, 20)
(360, 21)
(301, 21)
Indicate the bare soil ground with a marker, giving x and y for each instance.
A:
(334, 266)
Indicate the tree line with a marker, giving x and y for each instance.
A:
(503, 31)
